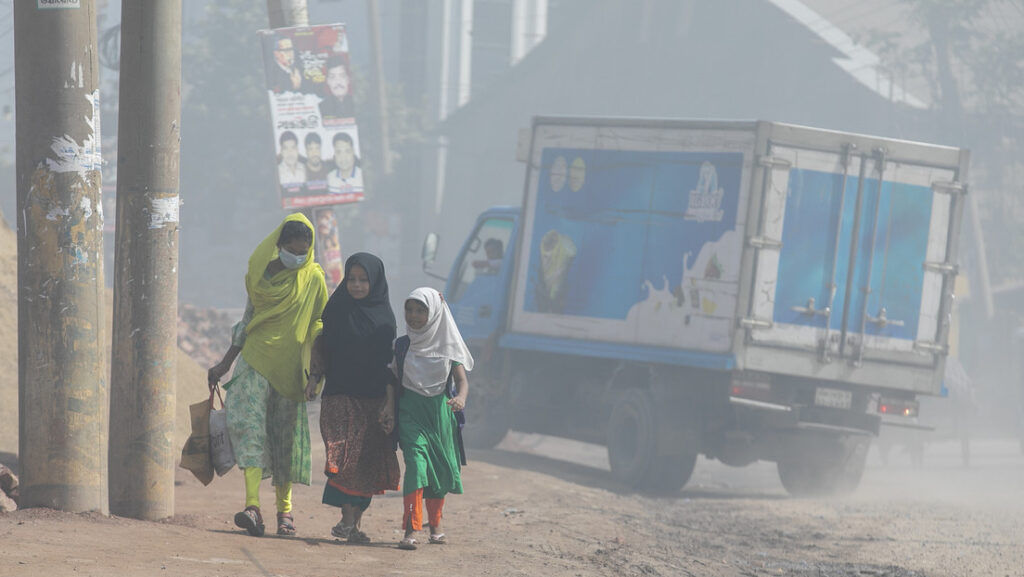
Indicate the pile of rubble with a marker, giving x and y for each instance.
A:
(8, 490)
(205, 334)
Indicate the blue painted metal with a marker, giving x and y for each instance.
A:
(581, 348)
(480, 307)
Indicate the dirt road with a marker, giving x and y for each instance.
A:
(526, 513)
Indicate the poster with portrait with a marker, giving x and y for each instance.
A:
(328, 249)
(316, 140)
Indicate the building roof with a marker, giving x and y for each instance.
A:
(728, 59)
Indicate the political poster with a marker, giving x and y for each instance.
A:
(316, 140)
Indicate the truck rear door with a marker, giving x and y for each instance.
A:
(853, 253)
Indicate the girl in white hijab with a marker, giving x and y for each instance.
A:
(428, 431)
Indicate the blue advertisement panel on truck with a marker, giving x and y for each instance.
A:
(742, 290)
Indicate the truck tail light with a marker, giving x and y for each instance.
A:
(897, 407)
(750, 389)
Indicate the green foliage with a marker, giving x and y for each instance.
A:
(226, 117)
(228, 179)
(973, 64)
(989, 65)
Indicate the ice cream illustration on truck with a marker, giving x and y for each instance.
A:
(557, 251)
(706, 200)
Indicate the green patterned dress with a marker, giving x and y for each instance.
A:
(267, 430)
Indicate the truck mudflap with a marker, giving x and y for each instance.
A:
(759, 415)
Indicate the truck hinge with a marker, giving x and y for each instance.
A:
(769, 161)
(848, 149)
(881, 161)
(943, 268)
(752, 323)
(931, 347)
(760, 242)
(949, 187)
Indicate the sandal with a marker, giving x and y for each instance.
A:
(407, 544)
(357, 536)
(285, 524)
(438, 539)
(251, 520)
(341, 530)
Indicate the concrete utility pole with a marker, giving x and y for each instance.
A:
(62, 373)
(287, 13)
(145, 344)
(380, 94)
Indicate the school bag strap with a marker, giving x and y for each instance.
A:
(401, 350)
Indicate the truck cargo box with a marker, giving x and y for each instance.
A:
(782, 249)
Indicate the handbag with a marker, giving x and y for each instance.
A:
(221, 453)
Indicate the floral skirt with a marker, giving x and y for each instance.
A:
(361, 459)
(267, 430)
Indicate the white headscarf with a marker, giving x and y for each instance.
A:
(433, 348)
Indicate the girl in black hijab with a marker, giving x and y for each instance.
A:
(357, 409)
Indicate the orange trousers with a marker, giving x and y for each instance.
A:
(414, 511)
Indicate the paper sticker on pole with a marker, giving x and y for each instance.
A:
(316, 140)
(52, 4)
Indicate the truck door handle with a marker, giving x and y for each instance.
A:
(810, 311)
(485, 312)
(883, 321)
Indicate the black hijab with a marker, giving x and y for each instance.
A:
(358, 334)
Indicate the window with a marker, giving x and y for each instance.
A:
(484, 255)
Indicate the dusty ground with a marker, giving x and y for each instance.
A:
(527, 513)
(544, 507)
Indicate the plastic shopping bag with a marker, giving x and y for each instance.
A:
(221, 453)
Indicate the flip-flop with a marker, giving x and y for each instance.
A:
(438, 539)
(407, 544)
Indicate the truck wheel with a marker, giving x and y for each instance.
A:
(633, 447)
(820, 473)
(670, 473)
(487, 417)
(631, 442)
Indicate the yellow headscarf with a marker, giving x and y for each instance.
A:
(286, 315)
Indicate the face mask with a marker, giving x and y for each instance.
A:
(290, 260)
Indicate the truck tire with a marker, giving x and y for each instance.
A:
(631, 437)
(670, 473)
(487, 419)
(633, 447)
(820, 473)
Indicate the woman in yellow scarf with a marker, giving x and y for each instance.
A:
(266, 408)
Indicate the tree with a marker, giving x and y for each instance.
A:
(973, 66)
(228, 182)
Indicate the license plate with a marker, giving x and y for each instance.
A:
(833, 398)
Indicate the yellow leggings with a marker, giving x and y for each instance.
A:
(283, 493)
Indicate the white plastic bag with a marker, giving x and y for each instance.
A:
(221, 453)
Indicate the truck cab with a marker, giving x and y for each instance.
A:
(477, 287)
